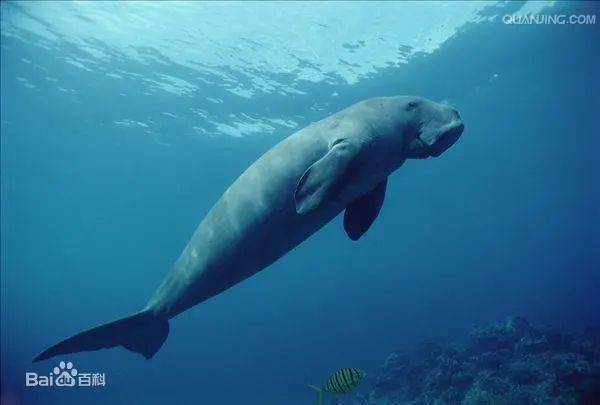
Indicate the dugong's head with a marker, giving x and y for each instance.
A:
(434, 127)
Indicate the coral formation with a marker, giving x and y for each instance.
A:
(509, 362)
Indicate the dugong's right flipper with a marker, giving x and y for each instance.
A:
(142, 333)
(361, 213)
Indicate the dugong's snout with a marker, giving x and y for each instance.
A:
(441, 128)
(448, 136)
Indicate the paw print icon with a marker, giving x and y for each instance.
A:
(65, 374)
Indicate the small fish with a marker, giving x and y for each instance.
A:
(340, 382)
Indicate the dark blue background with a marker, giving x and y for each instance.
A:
(506, 222)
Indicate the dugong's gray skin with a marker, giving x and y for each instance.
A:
(295, 188)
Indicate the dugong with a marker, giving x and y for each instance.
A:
(339, 163)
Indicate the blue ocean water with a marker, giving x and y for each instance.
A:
(123, 123)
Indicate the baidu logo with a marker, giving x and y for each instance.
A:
(65, 375)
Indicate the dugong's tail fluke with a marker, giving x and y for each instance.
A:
(142, 333)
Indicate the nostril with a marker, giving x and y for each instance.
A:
(453, 114)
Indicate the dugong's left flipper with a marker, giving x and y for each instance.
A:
(142, 333)
(361, 213)
(320, 180)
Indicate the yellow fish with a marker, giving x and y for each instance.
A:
(340, 382)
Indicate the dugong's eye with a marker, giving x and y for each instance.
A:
(411, 105)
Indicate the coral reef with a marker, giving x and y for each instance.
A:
(510, 362)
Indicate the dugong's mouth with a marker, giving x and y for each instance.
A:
(434, 143)
(448, 136)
